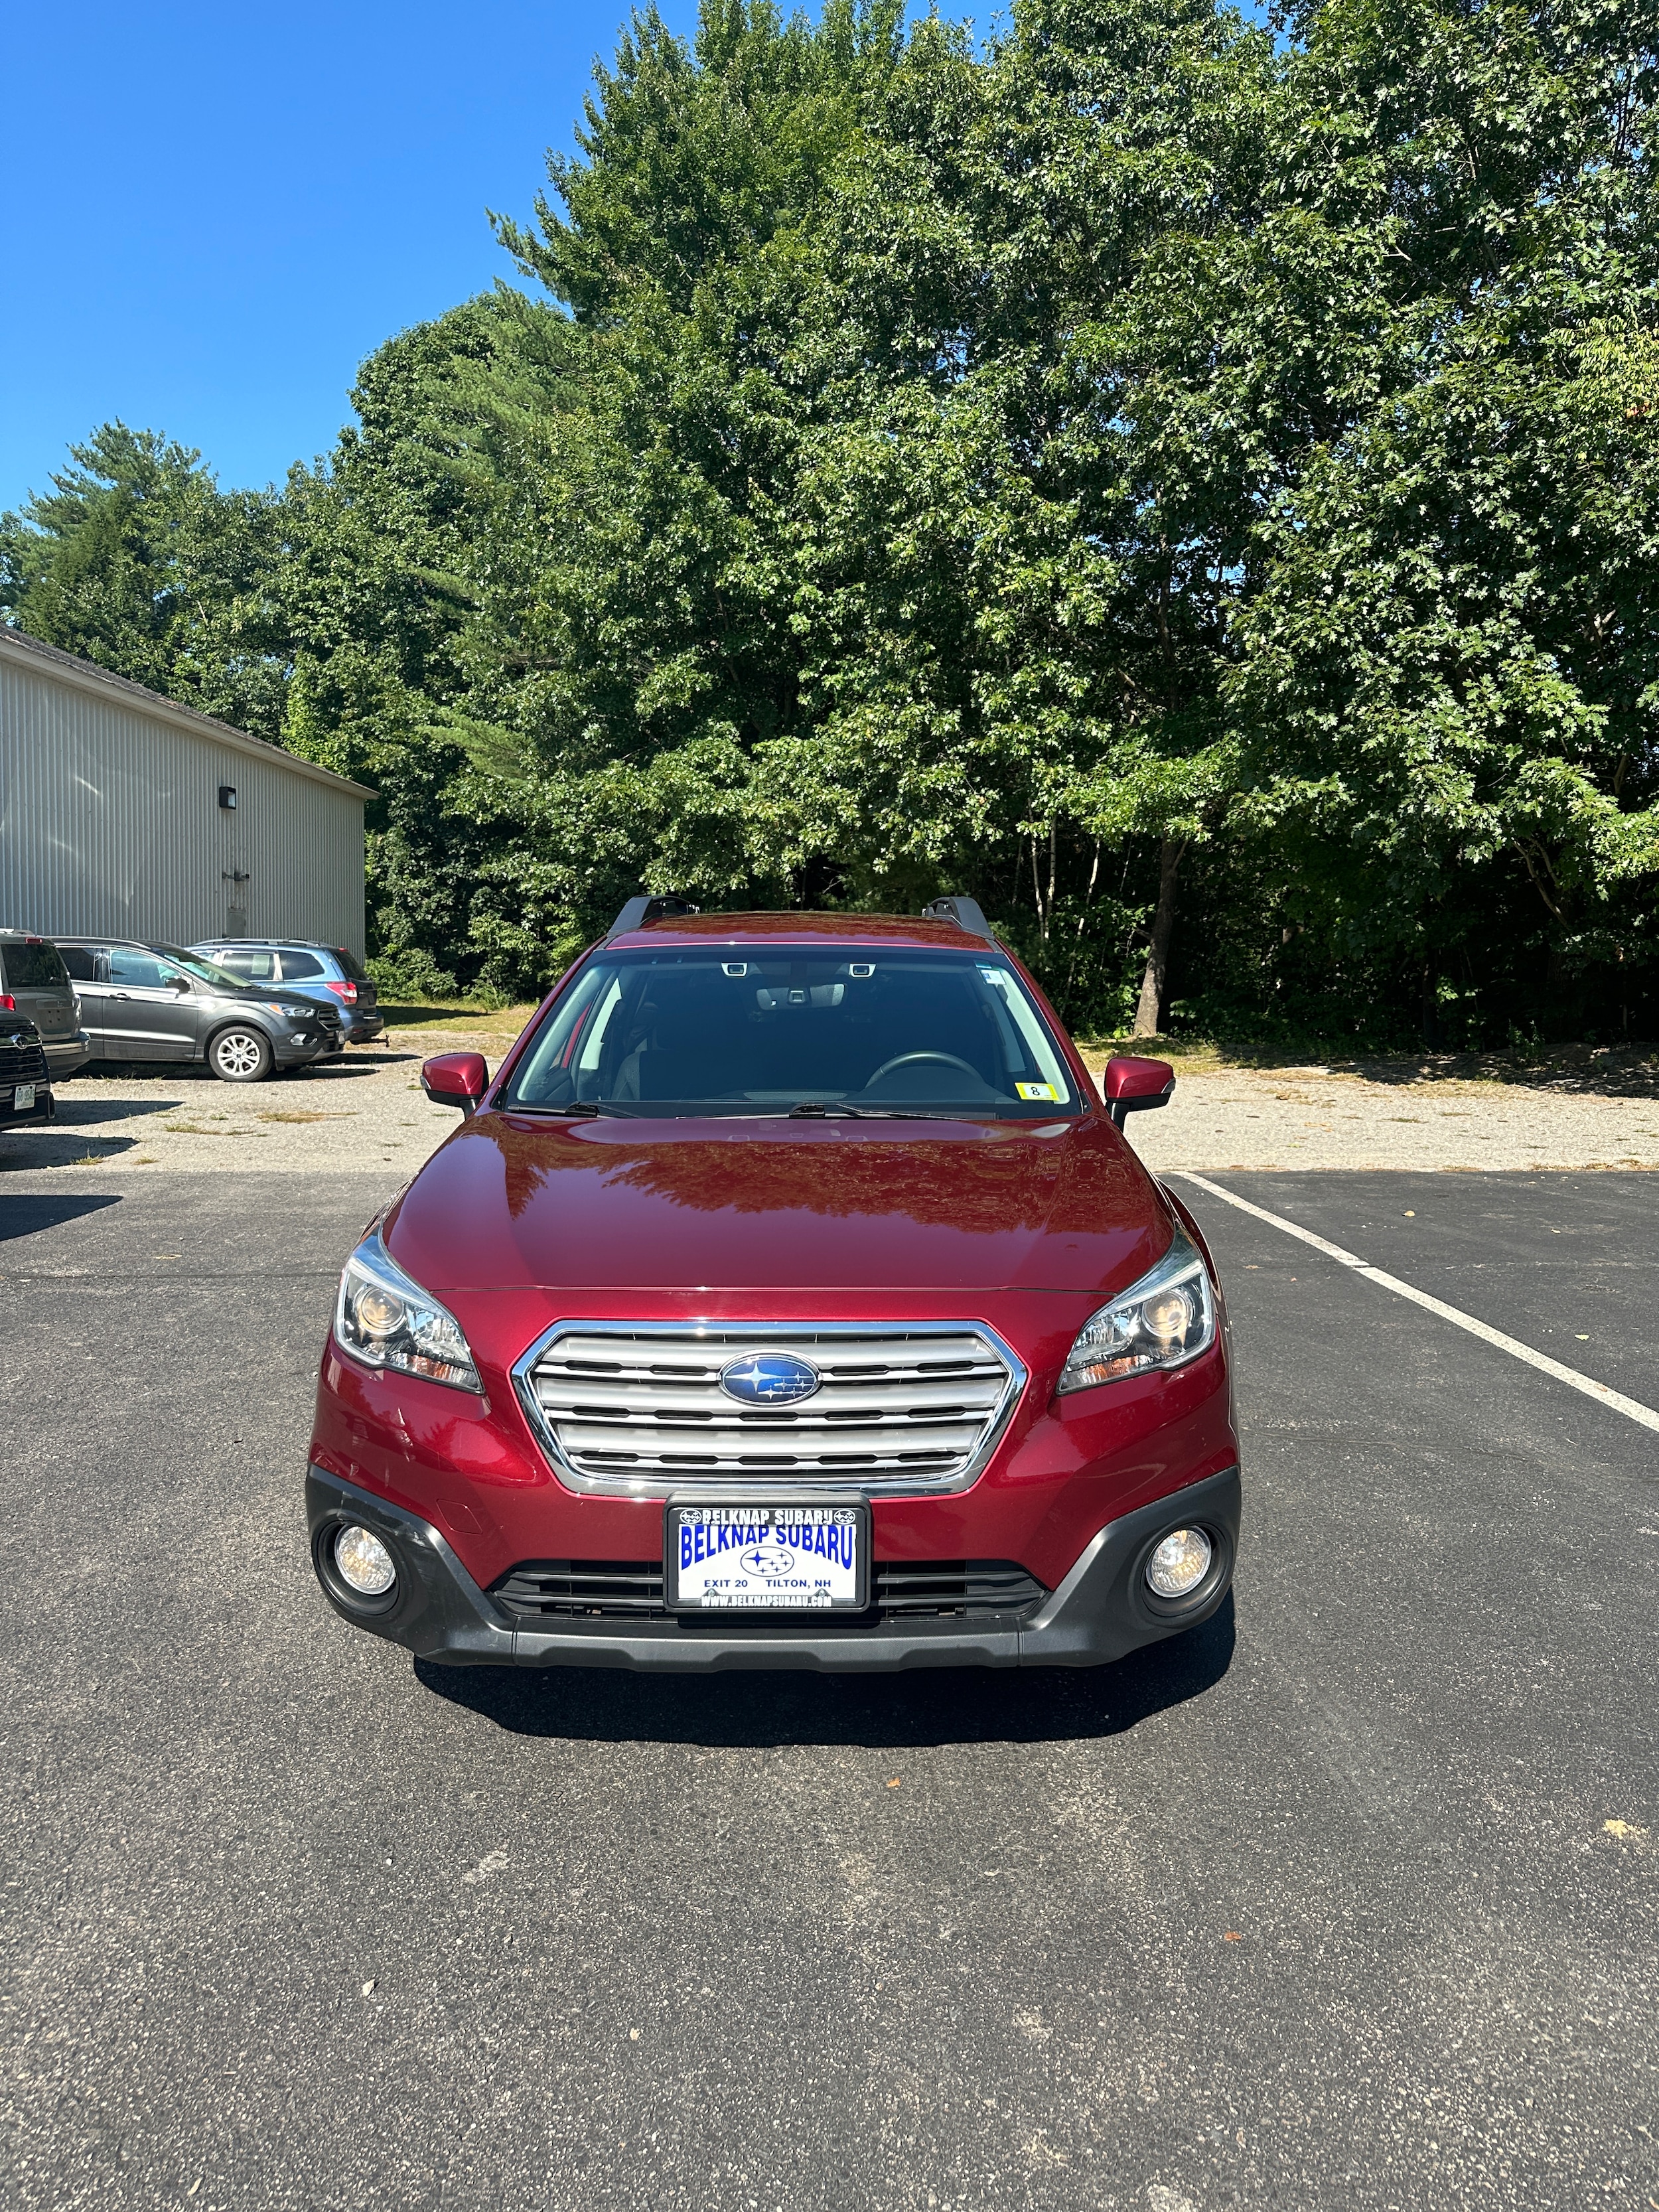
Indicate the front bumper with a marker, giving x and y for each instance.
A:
(44, 1108)
(299, 1048)
(1101, 1610)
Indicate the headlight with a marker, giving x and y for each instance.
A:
(291, 1014)
(386, 1321)
(1164, 1320)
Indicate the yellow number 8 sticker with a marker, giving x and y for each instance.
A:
(1036, 1091)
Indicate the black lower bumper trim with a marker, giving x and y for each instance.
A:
(539, 1593)
(437, 1610)
(44, 1107)
(1105, 1607)
(1103, 1610)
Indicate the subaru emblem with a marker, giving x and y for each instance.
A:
(769, 1378)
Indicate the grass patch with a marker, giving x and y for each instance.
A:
(1626, 1071)
(195, 1129)
(300, 1114)
(1191, 1055)
(413, 1015)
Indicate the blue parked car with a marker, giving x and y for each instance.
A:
(327, 973)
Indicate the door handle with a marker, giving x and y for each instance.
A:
(120, 994)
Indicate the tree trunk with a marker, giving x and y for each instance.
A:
(1149, 1014)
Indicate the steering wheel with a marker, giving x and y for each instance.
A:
(910, 1059)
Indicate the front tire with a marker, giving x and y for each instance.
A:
(241, 1054)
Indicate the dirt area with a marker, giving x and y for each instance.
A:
(366, 1111)
(362, 1111)
(1454, 1113)
(498, 1027)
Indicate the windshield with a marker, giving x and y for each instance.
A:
(204, 971)
(727, 1030)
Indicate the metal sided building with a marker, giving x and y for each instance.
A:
(123, 811)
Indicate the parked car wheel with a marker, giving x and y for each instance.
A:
(237, 1054)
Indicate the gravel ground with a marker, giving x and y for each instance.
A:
(365, 1112)
(1306, 1117)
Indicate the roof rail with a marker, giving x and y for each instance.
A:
(966, 913)
(665, 906)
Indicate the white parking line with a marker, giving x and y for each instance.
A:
(1630, 1407)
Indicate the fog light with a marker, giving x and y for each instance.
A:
(364, 1562)
(1180, 1562)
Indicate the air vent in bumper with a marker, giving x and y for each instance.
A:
(632, 1589)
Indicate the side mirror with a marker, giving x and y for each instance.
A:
(1133, 1085)
(456, 1078)
(178, 982)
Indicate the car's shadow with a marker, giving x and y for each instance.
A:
(26, 1145)
(71, 1137)
(761, 1712)
(198, 1071)
(27, 1214)
(85, 1113)
(349, 1071)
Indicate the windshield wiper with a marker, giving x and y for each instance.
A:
(810, 1110)
(583, 1109)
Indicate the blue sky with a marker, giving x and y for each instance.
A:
(217, 211)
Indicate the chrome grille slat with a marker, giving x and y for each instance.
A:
(920, 1405)
(636, 1408)
(22, 1064)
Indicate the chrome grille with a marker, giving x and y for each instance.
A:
(25, 1063)
(638, 1409)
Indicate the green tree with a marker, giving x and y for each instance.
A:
(137, 560)
(637, 649)
(1140, 467)
(377, 585)
(1446, 683)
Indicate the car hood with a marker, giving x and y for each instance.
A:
(738, 1206)
(266, 994)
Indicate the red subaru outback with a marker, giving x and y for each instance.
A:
(788, 1299)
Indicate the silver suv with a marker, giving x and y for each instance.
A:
(35, 983)
(327, 973)
(155, 1002)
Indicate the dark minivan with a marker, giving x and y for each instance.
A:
(35, 983)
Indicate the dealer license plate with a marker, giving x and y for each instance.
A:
(23, 1099)
(762, 1555)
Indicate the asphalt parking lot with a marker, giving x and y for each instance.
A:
(1347, 1900)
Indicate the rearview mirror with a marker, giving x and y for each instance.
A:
(456, 1078)
(1132, 1085)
